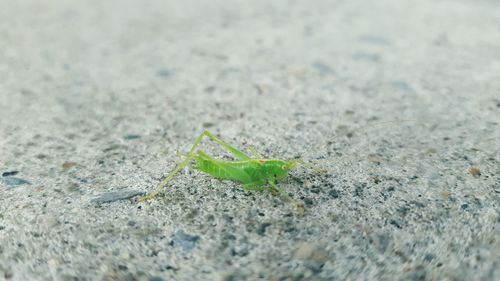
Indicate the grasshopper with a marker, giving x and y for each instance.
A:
(254, 172)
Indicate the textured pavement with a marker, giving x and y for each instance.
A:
(394, 105)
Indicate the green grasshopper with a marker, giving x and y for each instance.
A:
(254, 173)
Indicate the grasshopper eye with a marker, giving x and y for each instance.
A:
(283, 167)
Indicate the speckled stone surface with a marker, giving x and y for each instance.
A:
(96, 97)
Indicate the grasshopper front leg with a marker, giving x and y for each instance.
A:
(299, 206)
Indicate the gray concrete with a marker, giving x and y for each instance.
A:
(97, 96)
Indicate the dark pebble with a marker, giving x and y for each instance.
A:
(382, 242)
(41, 156)
(314, 266)
(230, 236)
(308, 201)
(316, 189)
(131, 137)
(231, 277)
(240, 251)
(403, 210)
(11, 182)
(10, 173)
(210, 89)
(227, 219)
(128, 277)
(358, 191)
(163, 72)
(334, 193)
(184, 241)
(8, 274)
(262, 228)
(417, 275)
(395, 223)
(208, 125)
(116, 196)
(429, 257)
(111, 147)
(171, 267)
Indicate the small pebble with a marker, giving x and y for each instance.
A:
(7, 274)
(116, 196)
(334, 193)
(323, 68)
(311, 251)
(128, 277)
(262, 228)
(208, 125)
(475, 172)
(11, 182)
(184, 241)
(429, 257)
(314, 266)
(308, 201)
(241, 250)
(68, 165)
(41, 156)
(445, 194)
(131, 137)
(163, 72)
(382, 241)
(403, 86)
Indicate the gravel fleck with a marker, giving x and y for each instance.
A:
(9, 173)
(116, 196)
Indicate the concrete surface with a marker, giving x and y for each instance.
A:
(97, 96)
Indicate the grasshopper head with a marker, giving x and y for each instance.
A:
(279, 168)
